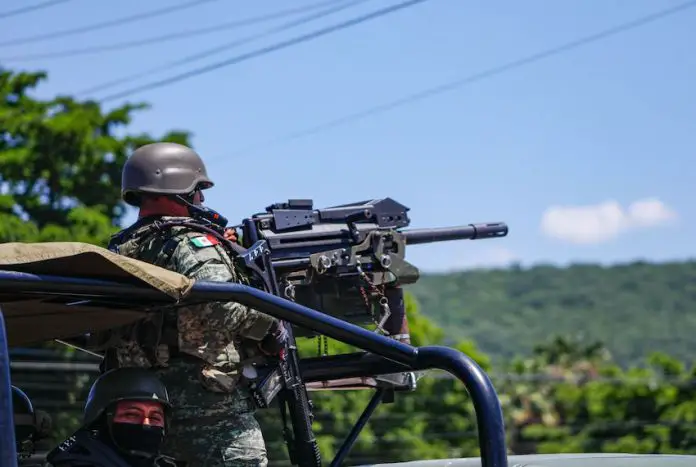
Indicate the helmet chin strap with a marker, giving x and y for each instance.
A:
(207, 215)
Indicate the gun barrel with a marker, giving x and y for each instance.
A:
(465, 232)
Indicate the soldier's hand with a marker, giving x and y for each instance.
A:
(275, 340)
(231, 235)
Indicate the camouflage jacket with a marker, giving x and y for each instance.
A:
(211, 332)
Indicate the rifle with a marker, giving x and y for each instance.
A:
(347, 261)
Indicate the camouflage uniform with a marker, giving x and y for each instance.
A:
(214, 416)
(199, 362)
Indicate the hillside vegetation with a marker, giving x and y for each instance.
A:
(634, 309)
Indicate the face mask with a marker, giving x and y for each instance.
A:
(131, 437)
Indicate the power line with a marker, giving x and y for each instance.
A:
(480, 76)
(265, 50)
(220, 48)
(106, 24)
(27, 9)
(169, 37)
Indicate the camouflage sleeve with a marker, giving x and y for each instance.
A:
(197, 258)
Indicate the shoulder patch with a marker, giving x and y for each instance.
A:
(203, 241)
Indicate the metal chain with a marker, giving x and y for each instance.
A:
(289, 292)
(383, 301)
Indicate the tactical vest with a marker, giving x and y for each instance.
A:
(152, 341)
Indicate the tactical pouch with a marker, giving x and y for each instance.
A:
(265, 387)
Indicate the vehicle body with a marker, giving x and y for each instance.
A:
(63, 290)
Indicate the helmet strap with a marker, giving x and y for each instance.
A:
(206, 215)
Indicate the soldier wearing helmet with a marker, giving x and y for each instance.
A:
(124, 424)
(195, 350)
(30, 426)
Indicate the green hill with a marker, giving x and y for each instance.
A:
(634, 308)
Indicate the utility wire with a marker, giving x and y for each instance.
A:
(480, 76)
(27, 9)
(220, 48)
(265, 50)
(106, 24)
(169, 37)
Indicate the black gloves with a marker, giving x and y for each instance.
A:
(275, 340)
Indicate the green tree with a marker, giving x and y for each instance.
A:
(530, 391)
(577, 399)
(61, 163)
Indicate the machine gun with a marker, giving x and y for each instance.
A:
(346, 261)
(324, 258)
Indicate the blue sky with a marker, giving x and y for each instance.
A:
(608, 129)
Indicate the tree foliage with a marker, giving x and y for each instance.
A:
(60, 171)
(61, 163)
(590, 404)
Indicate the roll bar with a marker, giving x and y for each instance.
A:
(385, 355)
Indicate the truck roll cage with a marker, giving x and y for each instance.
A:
(381, 355)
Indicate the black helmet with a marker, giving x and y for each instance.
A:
(135, 384)
(24, 422)
(163, 168)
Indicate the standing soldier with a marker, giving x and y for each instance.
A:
(196, 349)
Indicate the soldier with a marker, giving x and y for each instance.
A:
(30, 426)
(195, 350)
(124, 424)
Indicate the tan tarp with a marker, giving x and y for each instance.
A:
(35, 318)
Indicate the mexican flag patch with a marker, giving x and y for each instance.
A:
(204, 241)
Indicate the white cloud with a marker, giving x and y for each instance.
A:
(605, 221)
(650, 212)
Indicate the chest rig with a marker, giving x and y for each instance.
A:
(154, 240)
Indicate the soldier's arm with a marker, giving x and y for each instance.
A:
(201, 261)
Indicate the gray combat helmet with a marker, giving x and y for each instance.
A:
(133, 384)
(163, 168)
